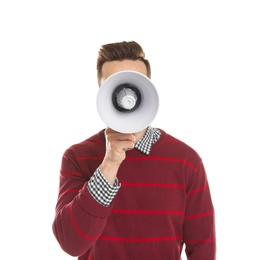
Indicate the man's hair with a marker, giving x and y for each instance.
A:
(120, 51)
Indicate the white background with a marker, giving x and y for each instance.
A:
(207, 64)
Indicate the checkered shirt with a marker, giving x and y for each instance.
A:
(100, 189)
(150, 137)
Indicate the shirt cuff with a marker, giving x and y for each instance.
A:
(101, 190)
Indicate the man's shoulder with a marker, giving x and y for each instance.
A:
(177, 146)
(94, 142)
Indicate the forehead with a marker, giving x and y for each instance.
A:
(111, 67)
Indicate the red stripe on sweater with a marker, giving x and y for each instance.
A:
(151, 158)
(172, 140)
(144, 239)
(68, 191)
(206, 240)
(197, 190)
(153, 185)
(65, 174)
(76, 226)
(131, 211)
(200, 215)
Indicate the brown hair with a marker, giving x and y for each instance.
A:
(121, 51)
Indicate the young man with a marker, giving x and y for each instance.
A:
(138, 203)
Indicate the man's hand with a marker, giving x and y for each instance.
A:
(116, 146)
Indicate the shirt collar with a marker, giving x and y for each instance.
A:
(151, 136)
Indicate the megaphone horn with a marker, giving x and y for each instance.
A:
(127, 101)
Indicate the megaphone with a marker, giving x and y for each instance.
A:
(127, 101)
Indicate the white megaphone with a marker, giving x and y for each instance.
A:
(127, 101)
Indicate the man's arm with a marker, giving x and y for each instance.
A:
(199, 225)
(80, 218)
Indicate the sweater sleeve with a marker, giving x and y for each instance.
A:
(199, 224)
(79, 219)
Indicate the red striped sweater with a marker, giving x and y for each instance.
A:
(164, 202)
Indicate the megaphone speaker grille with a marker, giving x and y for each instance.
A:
(127, 101)
(126, 98)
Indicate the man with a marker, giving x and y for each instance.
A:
(118, 200)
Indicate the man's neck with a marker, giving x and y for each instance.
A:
(140, 134)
